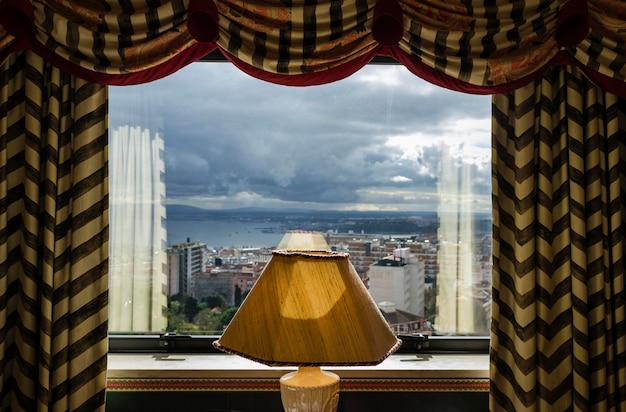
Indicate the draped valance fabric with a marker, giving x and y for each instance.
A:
(472, 46)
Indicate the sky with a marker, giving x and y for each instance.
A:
(376, 140)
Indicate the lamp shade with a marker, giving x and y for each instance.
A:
(303, 240)
(309, 309)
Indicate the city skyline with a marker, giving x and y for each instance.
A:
(400, 274)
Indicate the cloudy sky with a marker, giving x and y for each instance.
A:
(377, 140)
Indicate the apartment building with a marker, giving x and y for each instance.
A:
(399, 278)
(184, 262)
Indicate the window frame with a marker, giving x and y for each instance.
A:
(184, 343)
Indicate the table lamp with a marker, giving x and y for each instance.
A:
(303, 240)
(309, 309)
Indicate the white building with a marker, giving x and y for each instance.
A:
(137, 300)
(399, 279)
(184, 262)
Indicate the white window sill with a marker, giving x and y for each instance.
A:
(401, 372)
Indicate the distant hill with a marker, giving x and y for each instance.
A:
(181, 212)
(323, 220)
(184, 212)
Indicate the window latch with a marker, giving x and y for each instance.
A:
(414, 341)
(169, 340)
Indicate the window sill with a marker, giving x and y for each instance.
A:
(217, 372)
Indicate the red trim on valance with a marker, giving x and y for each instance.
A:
(306, 79)
(411, 63)
(187, 56)
(438, 78)
(606, 83)
(200, 50)
(425, 72)
(443, 80)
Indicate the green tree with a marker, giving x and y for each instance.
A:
(174, 314)
(174, 307)
(187, 327)
(184, 304)
(177, 297)
(227, 315)
(207, 321)
(430, 307)
(238, 298)
(214, 300)
(190, 307)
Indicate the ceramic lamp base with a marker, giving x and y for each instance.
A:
(310, 389)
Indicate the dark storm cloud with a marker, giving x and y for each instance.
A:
(227, 133)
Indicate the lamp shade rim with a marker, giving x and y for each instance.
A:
(313, 253)
(271, 362)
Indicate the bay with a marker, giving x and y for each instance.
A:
(225, 234)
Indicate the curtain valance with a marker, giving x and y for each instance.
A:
(469, 45)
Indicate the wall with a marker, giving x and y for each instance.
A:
(270, 401)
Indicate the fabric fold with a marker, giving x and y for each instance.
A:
(202, 20)
(572, 25)
(388, 23)
(17, 19)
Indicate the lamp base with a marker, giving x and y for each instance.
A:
(310, 389)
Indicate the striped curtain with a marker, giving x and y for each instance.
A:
(468, 41)
(470, 45)
(53, 239)
(559, 191)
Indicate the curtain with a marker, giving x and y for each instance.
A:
(468, 45)
(53, 238)
(559, 164)
(108, 42)
(137, 302)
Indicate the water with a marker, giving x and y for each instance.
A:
(219, 233)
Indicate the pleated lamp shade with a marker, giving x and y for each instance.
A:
(309, 308)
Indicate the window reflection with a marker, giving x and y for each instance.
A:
(207, 177)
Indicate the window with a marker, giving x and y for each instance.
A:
(209, 168)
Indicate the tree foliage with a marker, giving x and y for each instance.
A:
(214, 300)
(208, 322)
(186, 314)
(227, 315)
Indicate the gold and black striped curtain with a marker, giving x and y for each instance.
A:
(53, 238)
(473, 45)
(559, 191)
